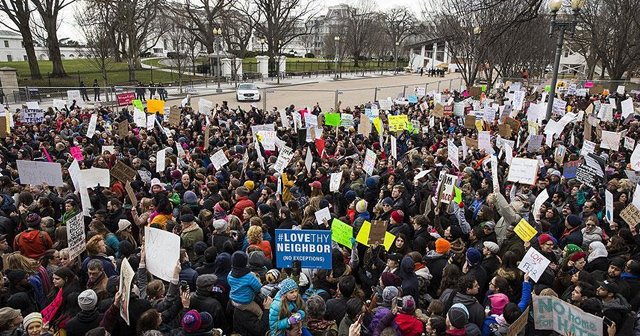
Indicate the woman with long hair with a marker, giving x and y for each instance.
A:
(60, 238)
(254, 237)
(286, 309)
(38, 275)
(62, 299)
(450, 278)
(510, 272)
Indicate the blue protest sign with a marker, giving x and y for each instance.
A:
(311, 247)
(412, 99)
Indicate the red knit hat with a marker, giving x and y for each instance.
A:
(577, 256)
(544, 238)
(397, 215)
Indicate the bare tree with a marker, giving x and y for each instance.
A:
(19, 13)
(101, 50)
(279, 22)
(238, 27)
(103, 13)
(358, 28)
(178, 38)
(49, 11)
(200, 17)
(612, 28)
(399, 23)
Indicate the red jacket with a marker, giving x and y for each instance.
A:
(243, 203)
(32, 243)
(409, 325)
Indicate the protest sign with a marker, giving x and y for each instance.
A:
(31, 116)
(155, 106)
(334, 183)
(517, 327)
(284, 157)
(162, 252)
(587, 147)
(631, 215)
(94, 177)
(76, 236)
(139, 118)
(559, 153)
(377, 233)
(523, 170)
(448, 182)
(341, 233)
(37, 173)
(608, 196)
(123, 172)
(452, 152)
(131, 194)
(540, 199)
(635, 158)
(438, 111)
(525, 231)
(494, 174)
(174, 116)
(322, 215)
(470, 142)
(346, 120)
(219, 159)
(505, 130)
(484, 140)
(369, 162)
(591, 173)
(398, 122)
(160, 160)
(59, 104)
(126, 277)
(534, 263)
(469, 121)
(551, 313)
(332, 119)
(610, 140)
(365, 230)
(123, 129)
(311, 247)
(629, 143)
(91, 129)
(74, 95)
(205, 106)
(535, 142)
(125, 98)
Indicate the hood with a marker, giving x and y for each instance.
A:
(87, 316)
(618, 303)
(31, 237)
(433, 255)
(597, 250)
(465, 299)
(222, 265)
(407, 265)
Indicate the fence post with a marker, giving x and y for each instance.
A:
(152, 74)
(404, 91)
(375, 94)
(264, 100)
(438, 87)
(450, 82)
(26, 88)
(426, 85)
(336, 101)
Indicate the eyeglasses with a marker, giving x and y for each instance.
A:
(549, 244)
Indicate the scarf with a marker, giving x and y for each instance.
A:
(50, 311)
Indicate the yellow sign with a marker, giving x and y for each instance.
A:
(378, 124)
(398, 122)
(155, 105)
(479, 125)
(363, 236)
(525, 231)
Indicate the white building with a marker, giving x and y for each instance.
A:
(12, 49)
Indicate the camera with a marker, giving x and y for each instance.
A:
(399, 302)
(184, 286)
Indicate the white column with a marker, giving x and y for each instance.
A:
(423, 52)
(433, 55)
(263, 65)
(226, 67)
(447, 60)
(282, 62)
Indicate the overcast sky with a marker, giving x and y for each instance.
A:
(69, 29)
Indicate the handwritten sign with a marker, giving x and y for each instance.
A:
(341, 233)
(76, 236)
(123, 172)
(631, 215)
(378, 231)
(37, 173)
(551, 313)
(398, 123)
(523, 170)
(162, 250)
(525, 231)
(31, 116)
(365, 230)
(534, 263)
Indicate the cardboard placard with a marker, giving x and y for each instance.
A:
(123, 172)
(504, 130)
(378, 231)
(174, 116)
(515, 124)
(131, 194)
(631, 215)
(475, 91)
(471, 143)
(470, 121)
(438, 111)
(123, 129)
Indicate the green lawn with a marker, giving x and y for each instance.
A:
(84, 70)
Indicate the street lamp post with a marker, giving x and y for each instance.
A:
(395, 65)
(217, 36)
(561, 27)
(337, 58)
(262, 42)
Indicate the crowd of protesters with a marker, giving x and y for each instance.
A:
(451, 270)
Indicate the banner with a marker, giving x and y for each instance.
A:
(311, 247)
(125, 98)
(76, 236)
(551, 313)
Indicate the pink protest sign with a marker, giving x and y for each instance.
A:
(76, 152)
(588, 84)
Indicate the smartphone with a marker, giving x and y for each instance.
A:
(609, 322)
(274, 292)
(399, 302)
(184, 286)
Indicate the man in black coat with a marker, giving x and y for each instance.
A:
(202, 300)
(88, 318)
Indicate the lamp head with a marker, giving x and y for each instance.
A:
(336, 38)
(578, 5)
(555, 5)
(477, 30)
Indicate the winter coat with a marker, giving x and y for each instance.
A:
(83, 322)
(436, 263)
(202, 300)
(409, 325)
(589, 237)
(508, 216)
(246, 323)
(409, 278)
(32, 243)
(243, 202)
(278, 324)
(476, 311)
(244, 288)
(336, 309)
(109, 268)
(189, 275)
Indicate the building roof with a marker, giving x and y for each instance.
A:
(7, 33)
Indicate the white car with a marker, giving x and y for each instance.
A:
(247, 92)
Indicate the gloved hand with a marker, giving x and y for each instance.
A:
(292, 320)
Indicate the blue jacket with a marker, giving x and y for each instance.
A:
(109, 268)
(277, 326)
(244, 288)
(525, 299)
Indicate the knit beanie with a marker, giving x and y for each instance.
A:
(491, 246)
(473, 256)
(408, 304)
(458, 316)
(249, 185)
(572, 248)
(498, 302)
(31, 318)
(397, 216)
(442, 246)
(390, 279)
(574, 221)
(544, 238)
(361, 206)
(191, 321)
(389, 293)
(190, 197)
(577, 256)
(239, 259)
(33, 220)
(87, 300)
(287, 285)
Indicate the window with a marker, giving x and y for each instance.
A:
(566, 53)
(24, 57)
(6, 44)
(22, 43)
(9, 58)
